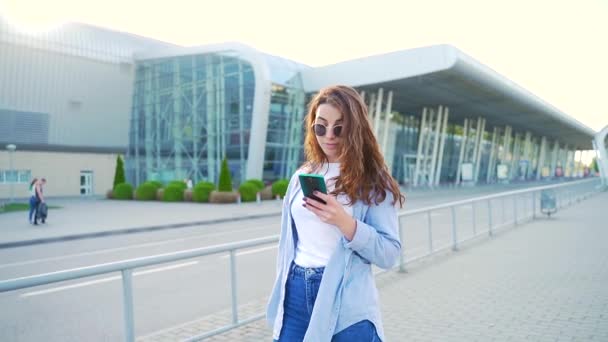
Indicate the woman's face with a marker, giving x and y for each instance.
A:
(331, 119)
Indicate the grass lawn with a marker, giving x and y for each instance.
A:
(10, 207)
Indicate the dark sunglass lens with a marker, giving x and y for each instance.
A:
(337, 130)
(319, 129)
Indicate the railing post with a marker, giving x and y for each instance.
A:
(533, 205)
(515, 210)
(428, 213)
(454, 235)
(490, 217)
(127, 288)
(504, 216)
(235, 317)
(474, 213)
(402, 268)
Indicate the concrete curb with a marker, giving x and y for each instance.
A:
(126, 231)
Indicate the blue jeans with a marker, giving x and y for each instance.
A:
(33, 206)
(300, 295)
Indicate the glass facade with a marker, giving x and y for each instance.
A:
(189, 112)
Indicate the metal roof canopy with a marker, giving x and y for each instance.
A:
(442, 75)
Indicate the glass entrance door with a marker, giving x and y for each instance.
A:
(86, 183)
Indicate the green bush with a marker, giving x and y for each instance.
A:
(225, 178)
(146, 192)
(123, 191)
(280, 187)
(156, 184)
(259, 184)
(202, 191)
(248, 191)
(173, 193)
(178, 183)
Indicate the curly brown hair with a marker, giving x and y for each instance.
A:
(363, 172)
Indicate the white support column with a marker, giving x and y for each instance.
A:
(387, 119)
(506, 143)
(428, 147)
(479, 149)
(601, 151)
(420, 143)
(516, 155)
(541, 158)
(526, 154)
(563, 159)
(463, 142)
(442, 144)
(492, 156)
(476, 139)
(435, 152)
(554, 158)
(370, 109)
(377, 113)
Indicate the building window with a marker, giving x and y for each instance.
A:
(15, 176)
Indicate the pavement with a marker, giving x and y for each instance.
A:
(82, 218)
(540, 281)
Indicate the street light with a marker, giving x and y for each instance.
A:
(11, 148)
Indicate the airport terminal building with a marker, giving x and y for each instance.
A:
(74, 98)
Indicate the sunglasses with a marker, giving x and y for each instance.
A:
(321, 130)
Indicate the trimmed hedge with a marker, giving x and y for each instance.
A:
(280, 187)
(157, 184)
(173, 193)
(123, 191)
(202, 191)
(248, 191)
(259, 184)
(146, 192)
(178, 183)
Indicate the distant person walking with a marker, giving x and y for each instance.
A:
(38, 187)
(33, 199)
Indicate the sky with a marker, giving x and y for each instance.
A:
(558, 50)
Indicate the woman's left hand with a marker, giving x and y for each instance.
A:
(332, 213)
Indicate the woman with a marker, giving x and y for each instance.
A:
(325, 289)
(33, 199)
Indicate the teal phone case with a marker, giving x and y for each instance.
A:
(311, 182)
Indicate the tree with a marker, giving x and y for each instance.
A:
(225, 178)
(119, 174)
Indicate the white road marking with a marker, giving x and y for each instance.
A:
(117, 249)
(251, 251)
(107, 279)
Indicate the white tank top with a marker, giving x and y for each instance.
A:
(317, 240)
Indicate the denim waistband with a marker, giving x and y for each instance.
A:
(303, 271)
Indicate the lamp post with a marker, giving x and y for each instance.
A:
(11, 148)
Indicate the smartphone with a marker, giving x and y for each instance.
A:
(313, 182)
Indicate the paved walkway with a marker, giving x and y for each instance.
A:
(542, 281)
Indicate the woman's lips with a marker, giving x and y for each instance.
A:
(332, 146)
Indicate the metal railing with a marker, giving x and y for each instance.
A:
(524, 207)
(567, 193)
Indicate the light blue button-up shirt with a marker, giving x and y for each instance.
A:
(347, 293)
